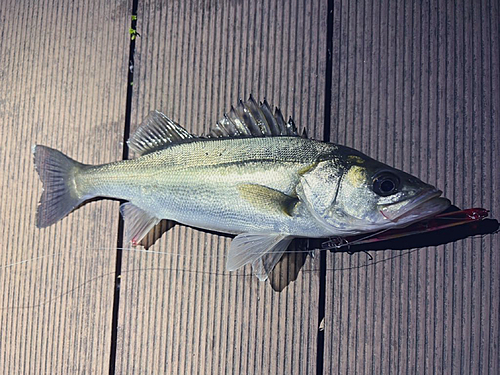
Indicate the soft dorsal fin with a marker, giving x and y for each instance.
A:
(156, 132)
(249, 119)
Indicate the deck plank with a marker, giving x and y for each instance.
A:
(414, 85)
(180, 311)
(418, 88)
(63, 72)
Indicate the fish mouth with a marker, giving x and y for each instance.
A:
(424, 205)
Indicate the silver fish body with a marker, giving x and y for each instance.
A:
(226, 185)
(258, 180)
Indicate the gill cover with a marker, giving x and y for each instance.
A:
(318, 189)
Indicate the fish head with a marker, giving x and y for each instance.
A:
(356, 194)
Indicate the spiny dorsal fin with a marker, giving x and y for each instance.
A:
(156, 132)
(249, 119)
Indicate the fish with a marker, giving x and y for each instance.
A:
(252, 176)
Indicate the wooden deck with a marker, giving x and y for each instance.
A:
(412, 84)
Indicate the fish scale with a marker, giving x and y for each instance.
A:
(201, 190)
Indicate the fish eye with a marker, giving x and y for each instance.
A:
(385, 184)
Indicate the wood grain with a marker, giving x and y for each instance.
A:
(417, 87)
(63, 72)
(181, 312)
(412, 84)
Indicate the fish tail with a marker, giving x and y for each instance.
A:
(57, 173)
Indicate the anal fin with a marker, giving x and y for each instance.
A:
(137, 222)
(261, 249)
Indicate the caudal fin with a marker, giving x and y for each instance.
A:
(57, 172)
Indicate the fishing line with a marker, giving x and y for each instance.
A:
(29, 260)
(204, 255)
(331, 243)
(138, 250)
(59, 296)
(242, 275)
(347, 243)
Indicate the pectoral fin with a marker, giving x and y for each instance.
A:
(267, 199)
(137, 222)
(262, 250)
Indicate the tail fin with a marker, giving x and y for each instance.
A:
(59, 196)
